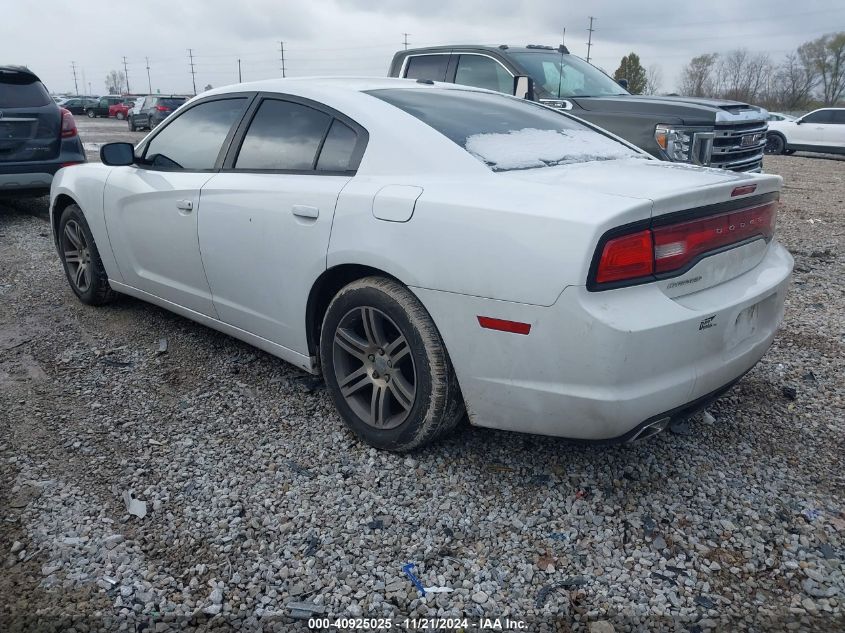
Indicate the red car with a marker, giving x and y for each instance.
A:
(119, 110)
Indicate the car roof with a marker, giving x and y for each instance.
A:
(501, 48)
(302, 85)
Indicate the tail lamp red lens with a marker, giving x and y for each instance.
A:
(162, 108)
(672, 247)
(68, 124)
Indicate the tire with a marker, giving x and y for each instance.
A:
(132, 127)
(92, 114)
(74, 237)
(119, 116)
(153, 124)
(775, 144)
(399, 400)
(789, 152)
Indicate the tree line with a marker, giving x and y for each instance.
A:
(813, 74)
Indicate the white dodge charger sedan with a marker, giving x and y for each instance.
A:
(434, 250)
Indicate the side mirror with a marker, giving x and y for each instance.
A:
(117, 154)
(623, 83)
(523, 87)
(798, 121)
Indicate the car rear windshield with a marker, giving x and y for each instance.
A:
(171, 103)
(506, 133)
(22, 90)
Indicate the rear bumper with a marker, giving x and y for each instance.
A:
(36, 176)
(597, 366)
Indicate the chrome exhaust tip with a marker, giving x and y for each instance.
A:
(650, 430)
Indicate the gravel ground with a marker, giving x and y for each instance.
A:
(257, 497)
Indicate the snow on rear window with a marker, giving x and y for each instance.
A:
(530, 148)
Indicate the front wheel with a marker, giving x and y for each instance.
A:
(81, 259)
(775, 144)
(120, 116)
(386, 367)
(91, 114)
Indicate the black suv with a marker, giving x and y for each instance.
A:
(726, 134)
(154, 110)
(102, 105)
(37, 137)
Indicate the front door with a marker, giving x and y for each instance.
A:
(266, 219)
(151, 208)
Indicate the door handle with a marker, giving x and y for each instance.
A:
(185, 205)
(305, 211)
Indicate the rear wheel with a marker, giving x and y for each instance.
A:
(92, 114)
(81, 259)
(120, 116)
(386, 367)
(132, 127)
(775, 144)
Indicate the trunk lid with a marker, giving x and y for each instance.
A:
(30, 121)
(676, 192)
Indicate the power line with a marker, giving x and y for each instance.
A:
(75, 85)
(282, 50)
(590, 38)
(193, 72)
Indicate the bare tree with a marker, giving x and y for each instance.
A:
(697, 78)
(653, 79)
(794, 82)
(826, 56)
(115, 81)
(743, 75)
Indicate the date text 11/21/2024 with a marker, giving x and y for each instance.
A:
(418, 624)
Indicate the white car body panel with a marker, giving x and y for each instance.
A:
(802, 132)
(468, 242)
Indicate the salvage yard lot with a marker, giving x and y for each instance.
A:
(258, 497)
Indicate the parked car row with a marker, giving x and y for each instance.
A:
(149, 111)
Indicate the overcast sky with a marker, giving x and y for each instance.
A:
(359, 37)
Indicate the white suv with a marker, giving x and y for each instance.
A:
(822, 130)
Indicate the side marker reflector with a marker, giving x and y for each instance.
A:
(515, 327)
(743, 190)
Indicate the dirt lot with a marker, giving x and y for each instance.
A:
(257, 497)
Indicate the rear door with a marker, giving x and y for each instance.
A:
(837, 129)
(266, 218)
(151, 208)
(30, 121)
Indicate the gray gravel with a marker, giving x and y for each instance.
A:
(257, 498)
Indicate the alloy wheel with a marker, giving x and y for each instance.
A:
(77, 255)
(374, 367)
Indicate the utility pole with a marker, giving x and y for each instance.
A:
(75, 85)
(406, 40)
(240, 79)
(590, 38)
(193, 72)
(126, 73)
(149, 81)
(282, 50)
(563, 39)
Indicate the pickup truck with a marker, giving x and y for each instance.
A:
(102, 105)
(711, 132)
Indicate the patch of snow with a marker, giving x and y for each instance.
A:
(530, 148)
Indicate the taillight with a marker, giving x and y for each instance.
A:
(659, 251)
(68, 124)
(162, 108)
(626, 257)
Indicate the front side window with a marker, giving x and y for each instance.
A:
(283, 136)
(483, 72)
(506, 133)
(820, 116)
(563, 75)
(427, 67)
(194, 139)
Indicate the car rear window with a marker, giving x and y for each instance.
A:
(506, 133)
(21, 90)
(171, 103)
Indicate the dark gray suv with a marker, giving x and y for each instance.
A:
(37, 137)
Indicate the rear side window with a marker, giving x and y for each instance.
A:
(283, 136)
(22, 90)
(171, 103)
(194, 139)
(338, 148)
(839, 117)
(427, 67)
